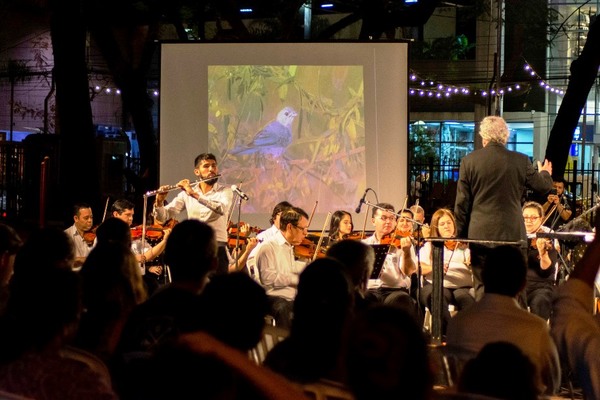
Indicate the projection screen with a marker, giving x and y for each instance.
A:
(311, 123)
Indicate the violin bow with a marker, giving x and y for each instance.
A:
(314, 257)
(312, 214)
(105, 208)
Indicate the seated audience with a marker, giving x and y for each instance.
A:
(574, 326)
(387, 356)
(322, 310)
(112, 287)
(501, 371)
(10, 243)
(357, 259)
(41, 318)
(498, 317)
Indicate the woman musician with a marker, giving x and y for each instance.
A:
(541, 263)
(458, 279)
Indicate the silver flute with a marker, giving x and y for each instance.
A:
(175, 187)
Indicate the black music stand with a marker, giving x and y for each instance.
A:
(381, 252)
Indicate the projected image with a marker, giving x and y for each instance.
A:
(292, 132)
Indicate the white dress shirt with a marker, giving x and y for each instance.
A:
(219, 198)
(392, 275)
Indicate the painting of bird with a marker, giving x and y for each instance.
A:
(273, 139)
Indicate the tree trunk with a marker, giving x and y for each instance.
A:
(583, 73)
(78, 176)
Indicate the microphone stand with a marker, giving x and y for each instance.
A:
(237, 236)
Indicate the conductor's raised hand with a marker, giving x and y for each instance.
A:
(547, 166)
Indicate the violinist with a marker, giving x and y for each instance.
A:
(277, 268)
(83, 220)
(393, 284)
(458, 279)
(207, 201)
(541, 263)
(419, 214)
(340, 226)
(124, 210)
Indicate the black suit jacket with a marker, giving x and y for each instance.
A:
(490, 186)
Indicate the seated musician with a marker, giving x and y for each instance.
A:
(419, 214)
(277, 267)
(541, 263)
(275, 215)
(124, 210)
(238, 256)
(340, 226)
(83, 220)
(458, 278)
(392, 286)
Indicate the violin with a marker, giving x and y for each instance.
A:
(306, 249)
(90, 236)
(244, 231)
(154, 232)
(395, 238)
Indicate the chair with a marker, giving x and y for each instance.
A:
(270, 337)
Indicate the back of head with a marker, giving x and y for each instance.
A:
(502, 371)
(233, 309)
(112, 284)
(324, 297)
(43, 308)
(191, 251)
(387, 356)
(114, 230)
(279, 208)
(10, 241)
(357, 259)
(494, 129)
(46, 248)
(504, 271)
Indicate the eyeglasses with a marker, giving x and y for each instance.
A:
(302, 228)
(530, 218)
(385, 219)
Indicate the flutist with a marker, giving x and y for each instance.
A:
(558, 202)
(206, 201)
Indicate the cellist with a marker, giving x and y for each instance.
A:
(392, 286)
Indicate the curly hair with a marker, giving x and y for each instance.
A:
(494, 129)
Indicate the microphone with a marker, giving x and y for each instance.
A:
(240, 193)
(360, 203)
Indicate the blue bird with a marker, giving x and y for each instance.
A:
(273, 138)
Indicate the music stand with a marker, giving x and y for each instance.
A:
(381, 252)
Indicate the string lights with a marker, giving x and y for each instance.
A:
(107, 90)
(426, 88)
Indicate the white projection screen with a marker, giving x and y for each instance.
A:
(315, 124)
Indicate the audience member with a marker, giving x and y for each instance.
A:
(322, 310)
(387, 356)
(10, 243)
(357, 259)
(112, 287)
(41, 318)
(498, 317)
(501, 371)
(574, 326)
(191, 254)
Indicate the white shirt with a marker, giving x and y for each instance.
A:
(267, 234)
(136, 248)
(277, 267)
(459, 274)
(82, 249)
(391, 273)
(220, 197)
